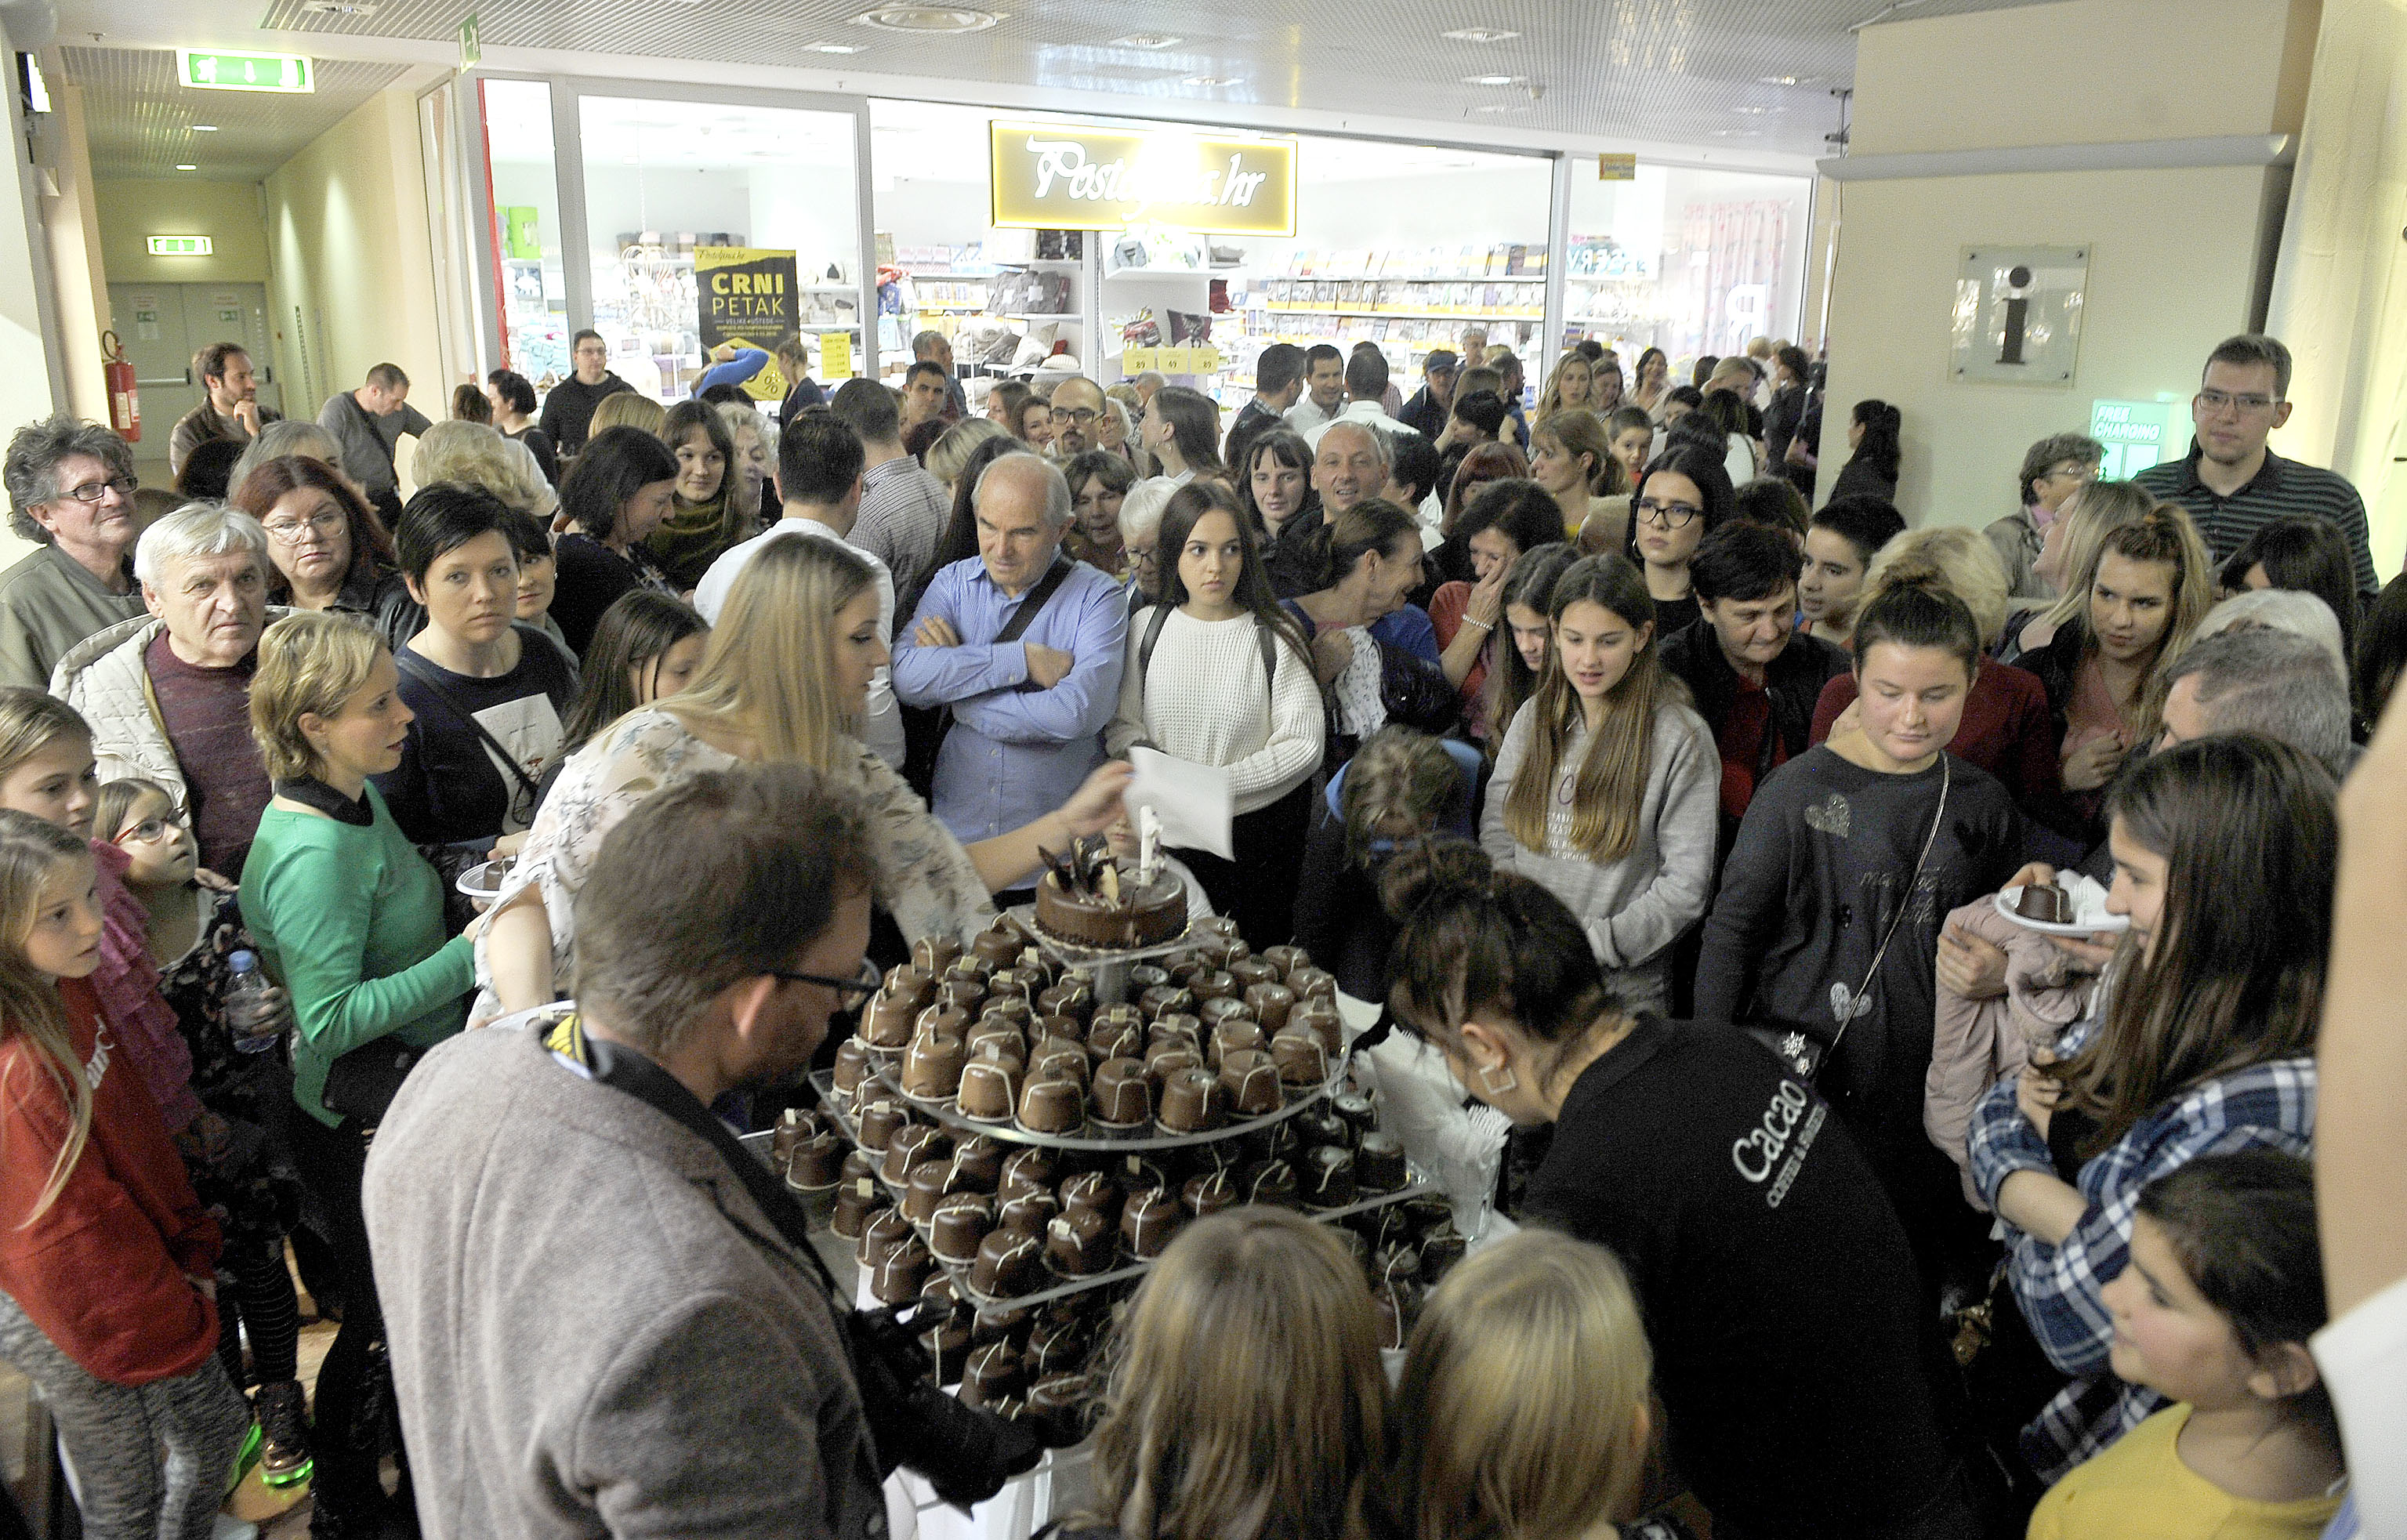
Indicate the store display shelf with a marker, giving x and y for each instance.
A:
(1400, 315)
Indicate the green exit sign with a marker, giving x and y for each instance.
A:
(182, 246)
(279, 71)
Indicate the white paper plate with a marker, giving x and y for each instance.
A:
(482, 880)
(2088, 925)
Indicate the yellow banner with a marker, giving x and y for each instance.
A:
(835, 355)
(1069, 177)
(1616, 168)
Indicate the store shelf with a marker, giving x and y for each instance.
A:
(1398, 314)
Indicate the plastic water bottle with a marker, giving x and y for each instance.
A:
(247, 1008)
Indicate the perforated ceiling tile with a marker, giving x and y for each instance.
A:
(1749, 72)
(142, 123)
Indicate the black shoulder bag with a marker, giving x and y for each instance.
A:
(924, 726)
(965, 1454)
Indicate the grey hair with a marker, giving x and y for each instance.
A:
(2300, 613)
(1142, 509)
(740, 414)
(195, 530)
(1057, 486)
(2055, 446)
(1387, 452)
(34, 456)
(954, 446)
(291, 435)
(925, 343)
(1119, 411)
(2276, 684)
(1153, 376)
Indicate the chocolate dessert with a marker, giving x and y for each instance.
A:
(1097, 1192)
(1355, 1108)
(1058, 1057)
(1219, 984)
(1071, 999)
(994, 1374)
(927, 1182)
(879, 1119)
(1321, 1017)
(977, 1164)
(856, 1204)
(1114, 1039)
(931, 1066)
(960, 1222)
(1058, 1405)
(998, 1039)
(1122, 1098)
(1029, 1208)
(1250, 971)
(1193, 1101)
(1009, 1262)
(1057, 1105)
(1207, 1194)
(1235, 1035)
(1379, 1163)
(1313, 984)
(966, 995)
(814, 1165)
(946, 1334)
(950, 1020)
(1078, 1244)
(1147, 1222)
(789, 1131)
(1165, 1060)
(854, 1066)
(1441, 1249)
(908, 1148)
(1270, 1182)
(1303, 1060)
(999, 944)
(1089, 900)
(1216, 1014)
(2045, 903)
(897, 1277)
(932, 954)
(1180, 1025)
(1252, 1080)
(1396, 1304)
(1270, 1004)
(1287, 960)
(1030, 1168)
(1319, 1124)
(886, 1230)
(1328, 1179)
(1007, 1007)
(989, 1087)
(1165, 1000)
(889, 1021)
(1009, 1323)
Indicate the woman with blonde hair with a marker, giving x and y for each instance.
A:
(474, 452)
(953, 450)
(1571, 455)
(628, 409)
(1523, 1409)
(784, 678)
(2007, 729)
(2069, 546)
(1248, 1398)
(1571, 387)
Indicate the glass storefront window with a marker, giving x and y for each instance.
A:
(670, 186)
(526, 235)
(1693, 261)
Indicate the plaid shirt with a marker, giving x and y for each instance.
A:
(2271, 1105)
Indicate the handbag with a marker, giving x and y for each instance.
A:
(1416, 693)
(1803, 1053)
(924, 727)
(360, 1085)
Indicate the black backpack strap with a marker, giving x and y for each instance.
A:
(1025, 615)
(1263, 634)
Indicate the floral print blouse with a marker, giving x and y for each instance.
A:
(925, 881)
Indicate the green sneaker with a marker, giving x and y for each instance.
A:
(283, 1431)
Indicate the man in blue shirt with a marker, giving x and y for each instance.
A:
(1028, 714)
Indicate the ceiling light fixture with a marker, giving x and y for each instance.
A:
(1786, 80)
(186, 165)
(1495, 79)
(924, 20)
(1146, 41)
(1480, 35)
(204, 128)
(1212, 80)
(833, 48)
(1503, 107)
(361, 9)
(1751, 111)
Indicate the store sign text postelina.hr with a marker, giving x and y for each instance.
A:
(1065, 176)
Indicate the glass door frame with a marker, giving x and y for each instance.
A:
(568, 91)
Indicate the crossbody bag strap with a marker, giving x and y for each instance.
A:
(1025, 615)
(416, 670)
(1905, 901)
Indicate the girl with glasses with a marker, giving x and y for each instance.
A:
(1684, 496)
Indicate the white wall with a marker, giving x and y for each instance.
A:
(2178, 258)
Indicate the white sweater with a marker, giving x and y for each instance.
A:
(1202, 700)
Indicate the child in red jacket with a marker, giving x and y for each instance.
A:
(107, 1258)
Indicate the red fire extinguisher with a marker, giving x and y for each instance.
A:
(124, 401)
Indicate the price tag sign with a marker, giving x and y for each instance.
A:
(1616, 168)
(835, 355)
(1136, 361)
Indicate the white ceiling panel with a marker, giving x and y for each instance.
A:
(143, 123)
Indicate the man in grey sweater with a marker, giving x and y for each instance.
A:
(370, 423)
(595, 1329)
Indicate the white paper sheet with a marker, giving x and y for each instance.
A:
(1193, 801)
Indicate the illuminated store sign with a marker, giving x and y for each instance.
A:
(1067, 176)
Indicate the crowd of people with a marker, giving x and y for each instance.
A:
(1672, 811)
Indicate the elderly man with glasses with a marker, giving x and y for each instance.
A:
(168, 695)
(2230, 482)
(71, 491)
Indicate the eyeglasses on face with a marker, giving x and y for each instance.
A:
(850, 993)
(1144, 556)
(1080, 415)
(151, 831)
(1652, 510)
(124, 486)
(2223, 401)
(292, 531)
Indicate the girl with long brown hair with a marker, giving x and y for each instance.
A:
(107, 1258)
(1605, 789)
(1249, 1399)
(2201, 1039)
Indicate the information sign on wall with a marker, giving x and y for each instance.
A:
(2018, 315)
(2138, 434)
(1616, 168)
(1070, 176)
(746, 295)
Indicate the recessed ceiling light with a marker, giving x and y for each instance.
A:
(928, 18)
(1211, 81)
(1736, 134)
(1786, 80)
(833, 48)
(1480, 35)
(204, 128)
(186, 165)
(1146, 41)
(362, 8)
(1503, 107)
(1751, 111)
(1495, 79)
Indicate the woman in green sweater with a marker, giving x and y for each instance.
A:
(348, 918)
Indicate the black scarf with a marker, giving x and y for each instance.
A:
(309, 791)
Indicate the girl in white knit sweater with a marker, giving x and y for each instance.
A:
(1218, 674)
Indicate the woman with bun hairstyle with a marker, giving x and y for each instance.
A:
(1218, 675)
(1362, 609)
(1528, 635)
(1826, 930)
(1873, 434)
(1401, 787)
(1247, 1398)
(2199, 1040)
(1523, 1408)
(1608, 787)
(107, 1260)
(1775, 1280)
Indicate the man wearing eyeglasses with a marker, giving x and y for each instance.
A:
(568, 409)
(687, 1375)
(71, 491)
(2230, 482)
(168, 695)
(1077, 407)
